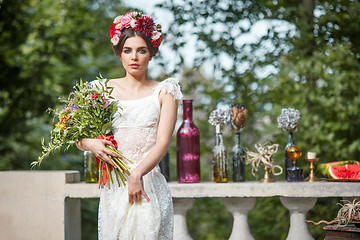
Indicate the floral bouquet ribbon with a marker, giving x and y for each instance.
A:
(264, 155)
(105, 169)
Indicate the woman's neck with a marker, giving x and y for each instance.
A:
(131, 87)
(136, 81)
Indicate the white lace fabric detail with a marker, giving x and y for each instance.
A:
(135, 126)
(170, 85)
(118, 219)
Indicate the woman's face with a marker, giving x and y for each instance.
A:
(135, 56)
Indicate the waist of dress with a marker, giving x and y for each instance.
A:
(132, 166)
(135, 126)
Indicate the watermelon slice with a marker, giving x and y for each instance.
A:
(324, 168)
(348, 171)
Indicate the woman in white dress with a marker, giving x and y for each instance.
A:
(142, 127)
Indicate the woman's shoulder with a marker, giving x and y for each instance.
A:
(172, 86)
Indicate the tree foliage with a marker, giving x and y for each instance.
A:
(45, 47)
(307, 57)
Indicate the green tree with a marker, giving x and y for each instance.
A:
(46, 46)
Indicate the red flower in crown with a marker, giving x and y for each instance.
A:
(155, 44)
(138, 25)
(112, 30)
(148, 25)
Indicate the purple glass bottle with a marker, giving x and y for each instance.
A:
(188, 148)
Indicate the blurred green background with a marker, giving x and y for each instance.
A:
(267, 55)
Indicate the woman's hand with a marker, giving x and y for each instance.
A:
(97, 147)
(136, 188)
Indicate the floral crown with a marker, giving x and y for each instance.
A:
(139, 22)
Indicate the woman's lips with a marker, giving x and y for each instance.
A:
(134, 65)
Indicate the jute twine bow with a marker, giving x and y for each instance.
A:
(264, 156)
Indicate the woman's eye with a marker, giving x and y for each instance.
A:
(142, 51)
(126, 51)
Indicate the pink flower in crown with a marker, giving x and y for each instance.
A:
(117, 19)
(133, 23)
(118, 33)
(132, 14)
(155, 35)
(126, 22)
(115, 40)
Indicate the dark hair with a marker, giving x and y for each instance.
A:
(128, 33)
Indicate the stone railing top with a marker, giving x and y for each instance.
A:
(258, 189)
(240, 189)
(75, 189)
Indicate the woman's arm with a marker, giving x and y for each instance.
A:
(97, 147)
(168, 116)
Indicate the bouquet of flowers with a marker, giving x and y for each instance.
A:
(88, 114)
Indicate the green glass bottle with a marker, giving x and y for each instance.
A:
(91, 170)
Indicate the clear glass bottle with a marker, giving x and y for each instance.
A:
(188, 148)
(288, 161)
(91, 170)
(220, 173)
(238, 156)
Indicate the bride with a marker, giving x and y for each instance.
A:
(142, 127)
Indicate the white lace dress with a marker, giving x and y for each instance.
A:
(135, 128)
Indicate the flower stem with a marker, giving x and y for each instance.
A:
(109, 174)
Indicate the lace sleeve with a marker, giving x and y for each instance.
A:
(171, 85)
(97, 84)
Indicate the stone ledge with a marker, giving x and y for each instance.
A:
(242, 189)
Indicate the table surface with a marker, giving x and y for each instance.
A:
(349, 228)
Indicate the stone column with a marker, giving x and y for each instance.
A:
(298, 208)
(181, 206)
(239, 207)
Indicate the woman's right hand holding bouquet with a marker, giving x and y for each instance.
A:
(98, 148)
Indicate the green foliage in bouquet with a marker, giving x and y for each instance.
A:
(88, 114)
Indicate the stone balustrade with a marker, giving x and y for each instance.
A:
(46, 204)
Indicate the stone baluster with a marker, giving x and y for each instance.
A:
(298, 208)
(181, 206)
(239, 207)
